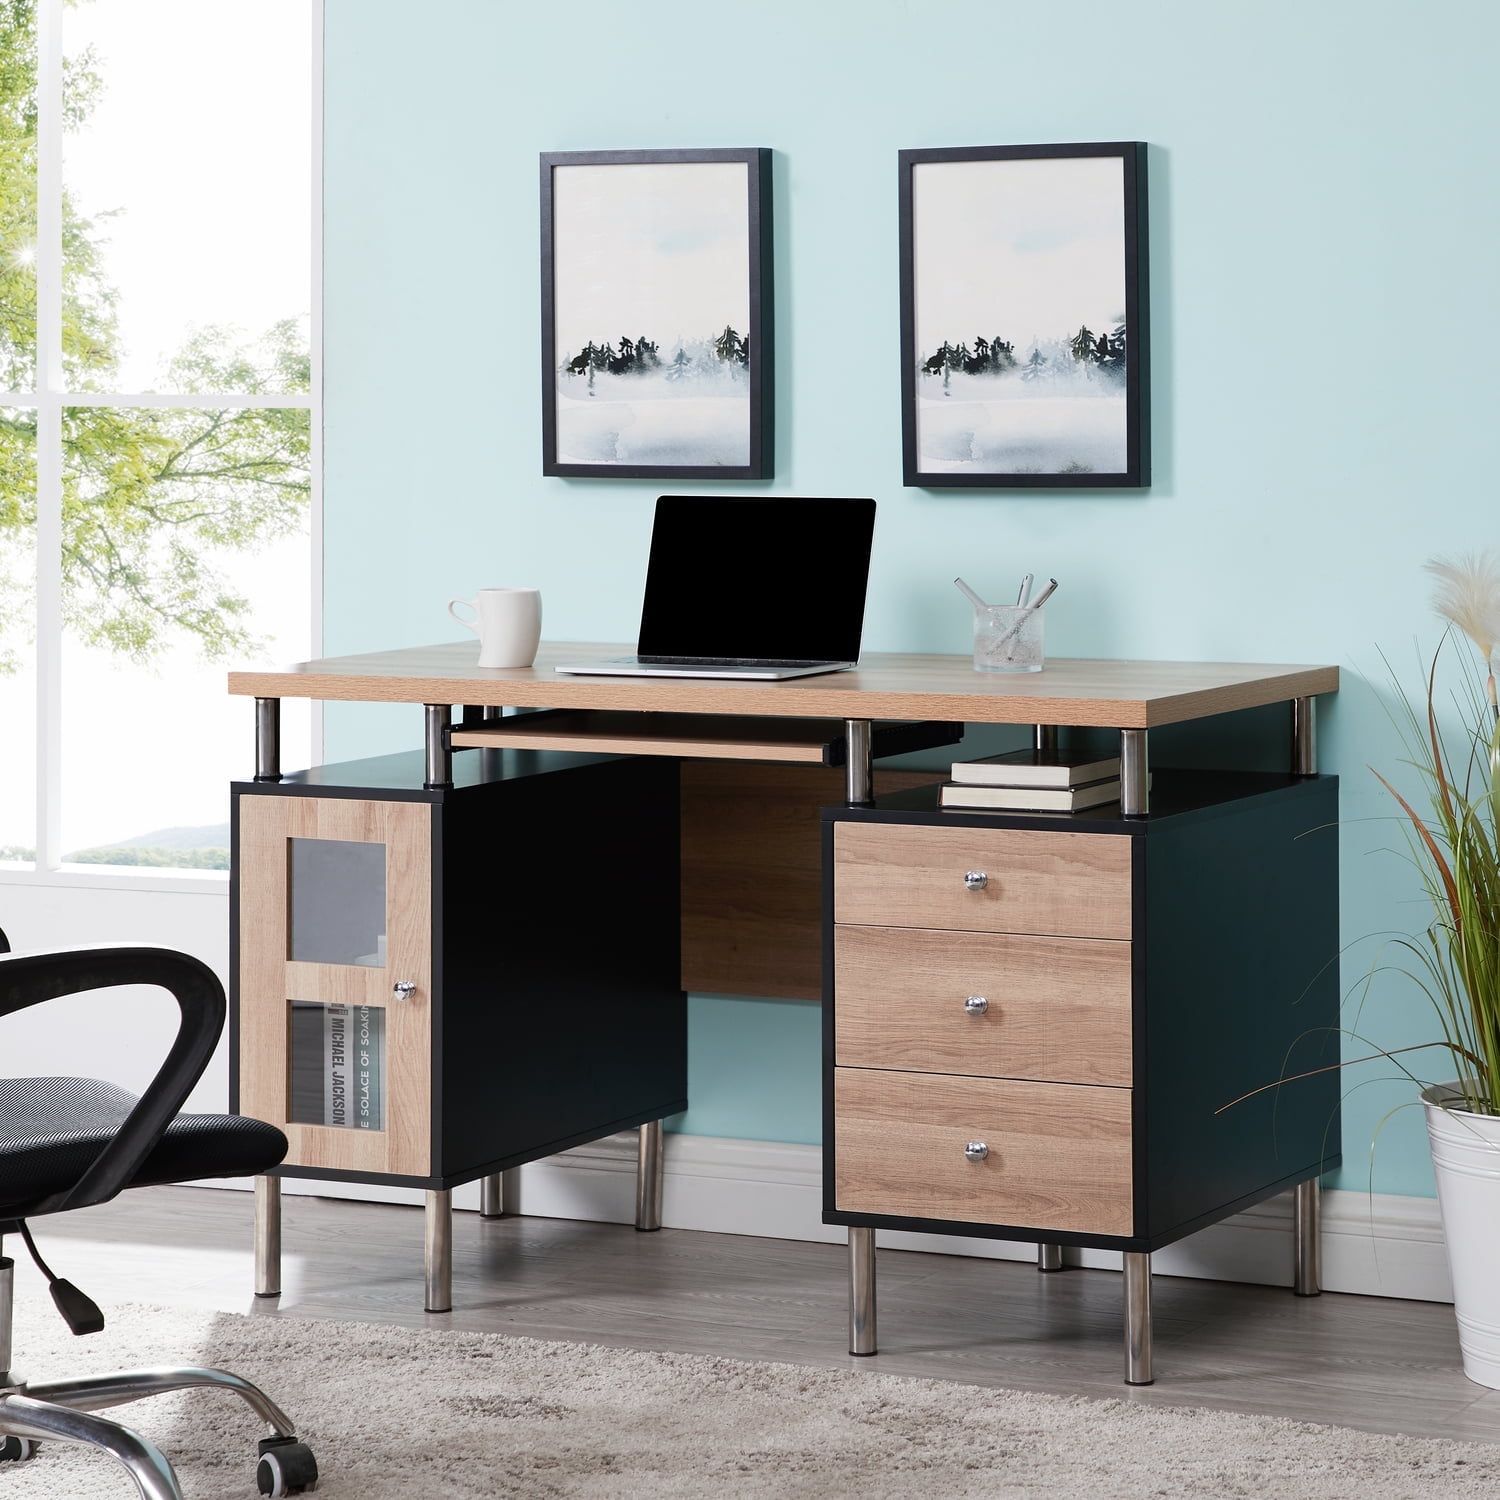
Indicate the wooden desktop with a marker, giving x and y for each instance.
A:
(755, 762)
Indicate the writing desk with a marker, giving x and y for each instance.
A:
(891, 703)
(1105, 694)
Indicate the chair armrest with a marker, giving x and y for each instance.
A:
(28, 979)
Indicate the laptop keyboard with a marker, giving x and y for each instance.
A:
(721, 661)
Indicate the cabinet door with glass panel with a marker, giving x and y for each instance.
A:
(335, 958)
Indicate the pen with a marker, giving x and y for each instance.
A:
(1044, 596)
(969, 594)
(1024, 592)
(1030, 610)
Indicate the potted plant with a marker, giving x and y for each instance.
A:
(1456, 848)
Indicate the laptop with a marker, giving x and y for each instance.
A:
(750, 586)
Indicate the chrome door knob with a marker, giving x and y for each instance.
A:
(975, 880)
(976, 1150)
(976, 1005)
(403, 989)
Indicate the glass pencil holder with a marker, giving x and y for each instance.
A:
(1007, 639)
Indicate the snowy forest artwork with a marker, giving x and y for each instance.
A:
(650, 311)
(1018, 322)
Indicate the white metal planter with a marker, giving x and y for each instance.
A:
(1466, 1160)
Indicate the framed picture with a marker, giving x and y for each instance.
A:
(1024, 340)
(656, 314)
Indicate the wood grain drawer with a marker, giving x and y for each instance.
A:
(906, 875)
(1059, 1155)
(1054, 1008)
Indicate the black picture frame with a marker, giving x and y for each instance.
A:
(760, 333)
(1136, 473)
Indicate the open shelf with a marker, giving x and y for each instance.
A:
(816, 742)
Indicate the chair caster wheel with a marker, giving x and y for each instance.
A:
(14, 1450)
(286, 1467)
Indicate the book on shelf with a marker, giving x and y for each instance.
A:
(336, 1065)
(1047, 768)
(1032, 798)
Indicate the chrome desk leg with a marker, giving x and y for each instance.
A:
(1307, 1203)
(1304, 737)
(1137, 1319)
(7, 1308)
(1049, 1258)
(1307, 1231)
(436, 719)
(1044, 738)
(492, 1196)
(861, 1291)
(437, 1251)
(1307, 1207)
(649, 1175)
(268, 739)
(491, 760)
(23, 1417)
(267, 1236)
(1135, 791)
(859, 764)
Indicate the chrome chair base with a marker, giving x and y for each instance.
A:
(61, 1411)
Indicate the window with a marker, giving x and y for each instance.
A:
(159, 423)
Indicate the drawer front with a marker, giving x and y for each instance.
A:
(990, 1004)
(1058, 1156)
(982, 879)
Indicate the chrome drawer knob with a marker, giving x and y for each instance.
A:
(976, 1005)
(975, 880)
(976, 1150)
(403, 989)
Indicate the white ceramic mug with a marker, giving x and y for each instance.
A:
(508, 623)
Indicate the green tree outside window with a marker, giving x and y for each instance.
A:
(153, 498)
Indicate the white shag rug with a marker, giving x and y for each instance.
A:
(391, 1412)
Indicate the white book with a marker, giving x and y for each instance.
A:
(1055, 768)
(1032, 799)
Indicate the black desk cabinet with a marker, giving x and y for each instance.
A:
(1036, 1026)
(433, 985)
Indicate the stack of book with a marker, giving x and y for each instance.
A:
(1034, 781)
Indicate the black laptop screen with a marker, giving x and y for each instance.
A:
(760, 578)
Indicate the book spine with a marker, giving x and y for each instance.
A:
(1026, 802)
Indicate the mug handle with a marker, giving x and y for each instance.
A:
(467, 624)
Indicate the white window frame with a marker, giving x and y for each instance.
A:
(49, 398)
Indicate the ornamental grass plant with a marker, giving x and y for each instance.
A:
(1454, 844)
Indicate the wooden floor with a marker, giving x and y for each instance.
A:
(1366, 1362)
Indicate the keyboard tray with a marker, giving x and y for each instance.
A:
(818, 742)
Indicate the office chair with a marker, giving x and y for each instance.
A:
(68, 1142)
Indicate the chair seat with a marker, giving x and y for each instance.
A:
(52, 1129)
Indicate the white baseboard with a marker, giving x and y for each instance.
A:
(1373, 1244)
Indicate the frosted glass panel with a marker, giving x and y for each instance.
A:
(18, 695)
(336, 891)
(185, 544)
(337, 1065)
(189, 190)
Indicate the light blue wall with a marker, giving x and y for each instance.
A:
(1324, 225)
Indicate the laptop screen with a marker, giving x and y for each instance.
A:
(759, 577)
